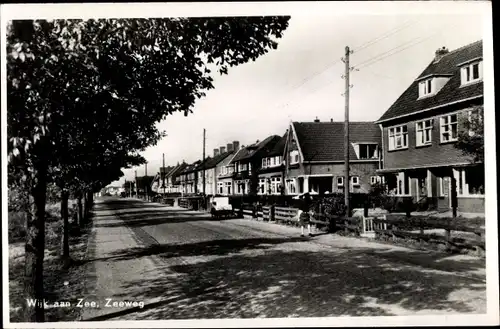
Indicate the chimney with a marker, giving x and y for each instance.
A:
(216, 152)
(440, 53)
(236, 145)
(316, 120)
(230, 147)
(222, 149)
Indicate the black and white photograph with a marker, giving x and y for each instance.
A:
(248, 164)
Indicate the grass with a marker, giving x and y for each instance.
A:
(55, 272)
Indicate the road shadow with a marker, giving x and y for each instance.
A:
(471, 266)
(220, 247)
(166, 210)
(294, 283)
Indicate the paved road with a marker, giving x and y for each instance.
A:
(184, 265)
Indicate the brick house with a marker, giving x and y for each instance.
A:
(271, 172)
(421, 128)
(157, 184)
(210, 166)
(224, 170)
(172, 184)
(188, 178)
(247, 163)
(315, 157)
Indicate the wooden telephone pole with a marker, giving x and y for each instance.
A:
(146, 178)
(203, 163)
(164, 173)
(347, 181)
(136, 189)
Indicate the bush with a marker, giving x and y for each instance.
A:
(17, 225)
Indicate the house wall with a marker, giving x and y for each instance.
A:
(474, 205)
(436, 153)
(363, 170)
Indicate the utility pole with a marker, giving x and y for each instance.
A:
(146, 178)
(164, 173)
(347, 181)
(203, 163)
(136, 189)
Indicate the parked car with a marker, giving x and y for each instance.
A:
(220, 207)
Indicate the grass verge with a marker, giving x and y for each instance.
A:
(61, 282)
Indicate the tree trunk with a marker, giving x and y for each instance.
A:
(79, 210)
(85, 207)
(35, 245)
(64, 216)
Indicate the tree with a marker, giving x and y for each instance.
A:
(73, 85)
(471, 137)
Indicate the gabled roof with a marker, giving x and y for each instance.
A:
(165, 171)
(214, 161)
(191, 167)
(143, 181)
(248, 152)
(279, 148)
(324, 141)
(176, 170)
(449, 65)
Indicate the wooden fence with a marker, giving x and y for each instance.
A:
(395, 226)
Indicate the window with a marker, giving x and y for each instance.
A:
(340, 181)
(294, 157)
(398, 137)
(220, 188)
(228, 186)
(444, 186)
(275, 185)
(375, 180)
(425, 88)
(264, 163)
(424, 132)
(470, 181)
(355, 181)
(368, 151)
(242, 167)
(262, 186)
(292, 188)
(472, 73)
(448, 128)
(403, 184)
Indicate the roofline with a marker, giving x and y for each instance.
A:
(434, 75)
(297, 139)
(429, 109)
(470, 61)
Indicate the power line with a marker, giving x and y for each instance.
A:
(385, 35)
(389, 53)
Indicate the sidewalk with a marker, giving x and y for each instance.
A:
(113, 280)
(462, 265)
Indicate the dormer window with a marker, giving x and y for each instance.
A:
(366, 151)
(425, 88)
(471, 72)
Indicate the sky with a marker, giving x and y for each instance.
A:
(302, 79)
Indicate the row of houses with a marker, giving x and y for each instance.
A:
(410, 148)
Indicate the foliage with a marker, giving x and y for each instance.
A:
(84, 97)
(471, 137)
